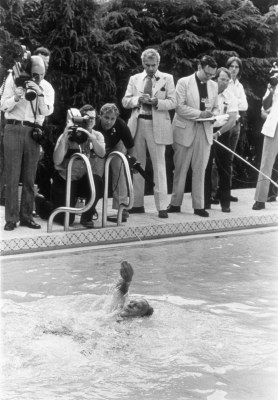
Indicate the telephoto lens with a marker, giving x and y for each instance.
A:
(30, 94)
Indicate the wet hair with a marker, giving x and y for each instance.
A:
(208, 60)
(238, 61)
(109, 108)
(43, 51)
(87, 107)
(222, 69)
(149, 309)
(150, 53)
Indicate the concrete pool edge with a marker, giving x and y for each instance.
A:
(78, 239)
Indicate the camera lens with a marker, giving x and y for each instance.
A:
(30, 94)
(77, 136)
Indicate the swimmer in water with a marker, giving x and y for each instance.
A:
(135, 307)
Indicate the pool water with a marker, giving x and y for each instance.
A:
(213, 334)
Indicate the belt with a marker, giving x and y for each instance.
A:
(23, 123)
(145, 116)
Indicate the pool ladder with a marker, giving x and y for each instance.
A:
(67, 209)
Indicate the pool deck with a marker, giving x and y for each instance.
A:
(140, 227)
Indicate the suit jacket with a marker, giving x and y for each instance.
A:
(164, 90)
(188, 109)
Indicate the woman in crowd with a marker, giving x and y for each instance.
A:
(234, 64)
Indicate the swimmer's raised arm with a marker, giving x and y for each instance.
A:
(126, 273)
(122, 286)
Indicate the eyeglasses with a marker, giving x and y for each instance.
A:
(208, 74)
(36, 77)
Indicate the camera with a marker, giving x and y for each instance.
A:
(22, 69)
(75, 134)
(273, 80)
(29, 68)
(37, 135)
(135, 165)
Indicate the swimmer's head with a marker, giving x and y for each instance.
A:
(136, 308)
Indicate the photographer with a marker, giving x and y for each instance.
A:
(24, 118)
(117, 137)
(270, 146)
(75, 139)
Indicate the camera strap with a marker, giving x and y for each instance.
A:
(35, 110)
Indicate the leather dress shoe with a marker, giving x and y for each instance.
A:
(213, 200)
(173, 209)
(30, 224)
(233, 198)
(125, 213)
(114, 218)
(271, 199)
(258, 205)
(10, 226)
(226, 209)
(137, 210)
(201, 212)
(87, 223)
(162, 214)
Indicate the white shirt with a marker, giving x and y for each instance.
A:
(22, 110)
(142, 111)
(227, 103)
(238, 91)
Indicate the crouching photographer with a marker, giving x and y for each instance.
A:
(78, 137)
(27, 99)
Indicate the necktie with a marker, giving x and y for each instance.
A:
(148, 90)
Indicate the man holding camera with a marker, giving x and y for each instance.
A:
(24, 119)
(78, 139)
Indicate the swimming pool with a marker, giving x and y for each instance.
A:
(213, 334)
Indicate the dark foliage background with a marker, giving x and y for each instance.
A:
(96, 46)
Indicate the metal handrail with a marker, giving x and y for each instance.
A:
(67, 209)
(129, 187)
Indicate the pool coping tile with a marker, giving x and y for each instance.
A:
(142, 227)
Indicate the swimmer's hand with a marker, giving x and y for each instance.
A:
(126, 271)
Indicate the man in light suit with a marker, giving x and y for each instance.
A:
(150, 95)
(270, 147)
(196, 98)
